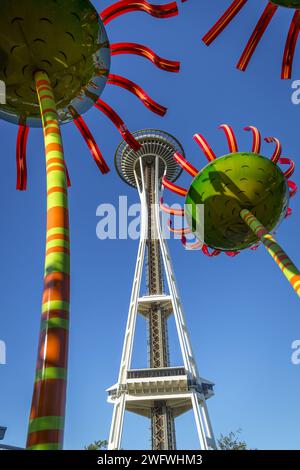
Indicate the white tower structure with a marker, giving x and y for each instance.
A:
(160, 392)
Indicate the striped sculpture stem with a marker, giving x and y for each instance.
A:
(46, 426)
(280, 257)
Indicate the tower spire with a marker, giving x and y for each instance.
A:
(160, 392)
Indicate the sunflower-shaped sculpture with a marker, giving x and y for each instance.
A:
(55, 62)
(235, 201)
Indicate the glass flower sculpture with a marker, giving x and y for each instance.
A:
(55, 62)
(235, 201)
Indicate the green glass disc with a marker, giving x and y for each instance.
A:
(229, 184)
(64, 38)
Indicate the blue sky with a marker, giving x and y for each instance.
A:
(242, 314)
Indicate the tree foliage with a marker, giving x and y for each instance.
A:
(97, 445)
(231, 441)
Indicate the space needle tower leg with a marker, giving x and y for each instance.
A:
(116, 429)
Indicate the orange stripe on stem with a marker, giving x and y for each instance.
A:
(53, 349)
(39, 437)
(57, 217)
(58, 249)
(56, 287)
(42, 389)
(54, 148)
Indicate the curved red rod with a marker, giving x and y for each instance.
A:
(21, 157)
(224, 21)
(231, 139)
(288, 212)
(206, 251)
(147, 53)
(256, 36)
(206, 148)
(91, 143)
(290, 46)
(287, 161)
(256, 146)
(193, 246)
(187, 166)
(293, 188)
(255, 247)
(232, 254)
(138, 92)
(179, 231)
(67, 176)
(119, 123)
(170, 210)
(126, 6)
(278, 149)
(174, 188)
